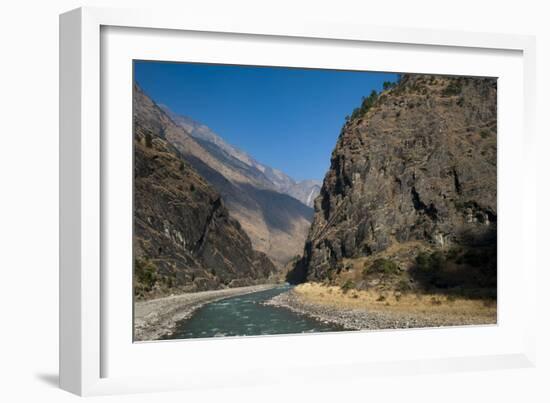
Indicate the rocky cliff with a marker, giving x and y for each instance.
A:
(184, 237)
(413, 171)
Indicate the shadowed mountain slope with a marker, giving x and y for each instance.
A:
(184, 236)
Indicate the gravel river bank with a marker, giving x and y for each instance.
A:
(157, 318)
(356, 314)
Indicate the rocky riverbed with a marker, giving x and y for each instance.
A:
(375, 318)
(156, 318)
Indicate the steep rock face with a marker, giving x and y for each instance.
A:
(419, 165)
(184, 237)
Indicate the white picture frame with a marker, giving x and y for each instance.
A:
(96, 354)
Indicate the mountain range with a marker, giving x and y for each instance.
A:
(276, 222)
(262, 175)
(269, 206)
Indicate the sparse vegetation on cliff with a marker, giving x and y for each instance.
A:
(145, 276)
(409, 202)
(381, 266)
(366, 104)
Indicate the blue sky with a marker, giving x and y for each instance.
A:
(286, 118)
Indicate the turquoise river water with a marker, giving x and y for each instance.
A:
(245, 316)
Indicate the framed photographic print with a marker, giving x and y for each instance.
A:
(238, 196)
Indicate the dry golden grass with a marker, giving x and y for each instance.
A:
(424, 305)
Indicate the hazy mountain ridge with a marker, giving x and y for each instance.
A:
(261, 174)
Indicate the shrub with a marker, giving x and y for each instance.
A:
(366, 104)
(145, 275)
(429, 267)
(454, 253)
(454, 88)
(348, 285)
(422, 261)
(403, 285)
(382, 266)
(438, 258)
(388, 85)
(148, 140)
(435, 301)
(429, 263)
(484, 134)
(463, 270)
(477, 259)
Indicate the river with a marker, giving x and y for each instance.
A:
(245, 316)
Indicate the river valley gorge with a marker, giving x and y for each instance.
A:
(401, 232)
